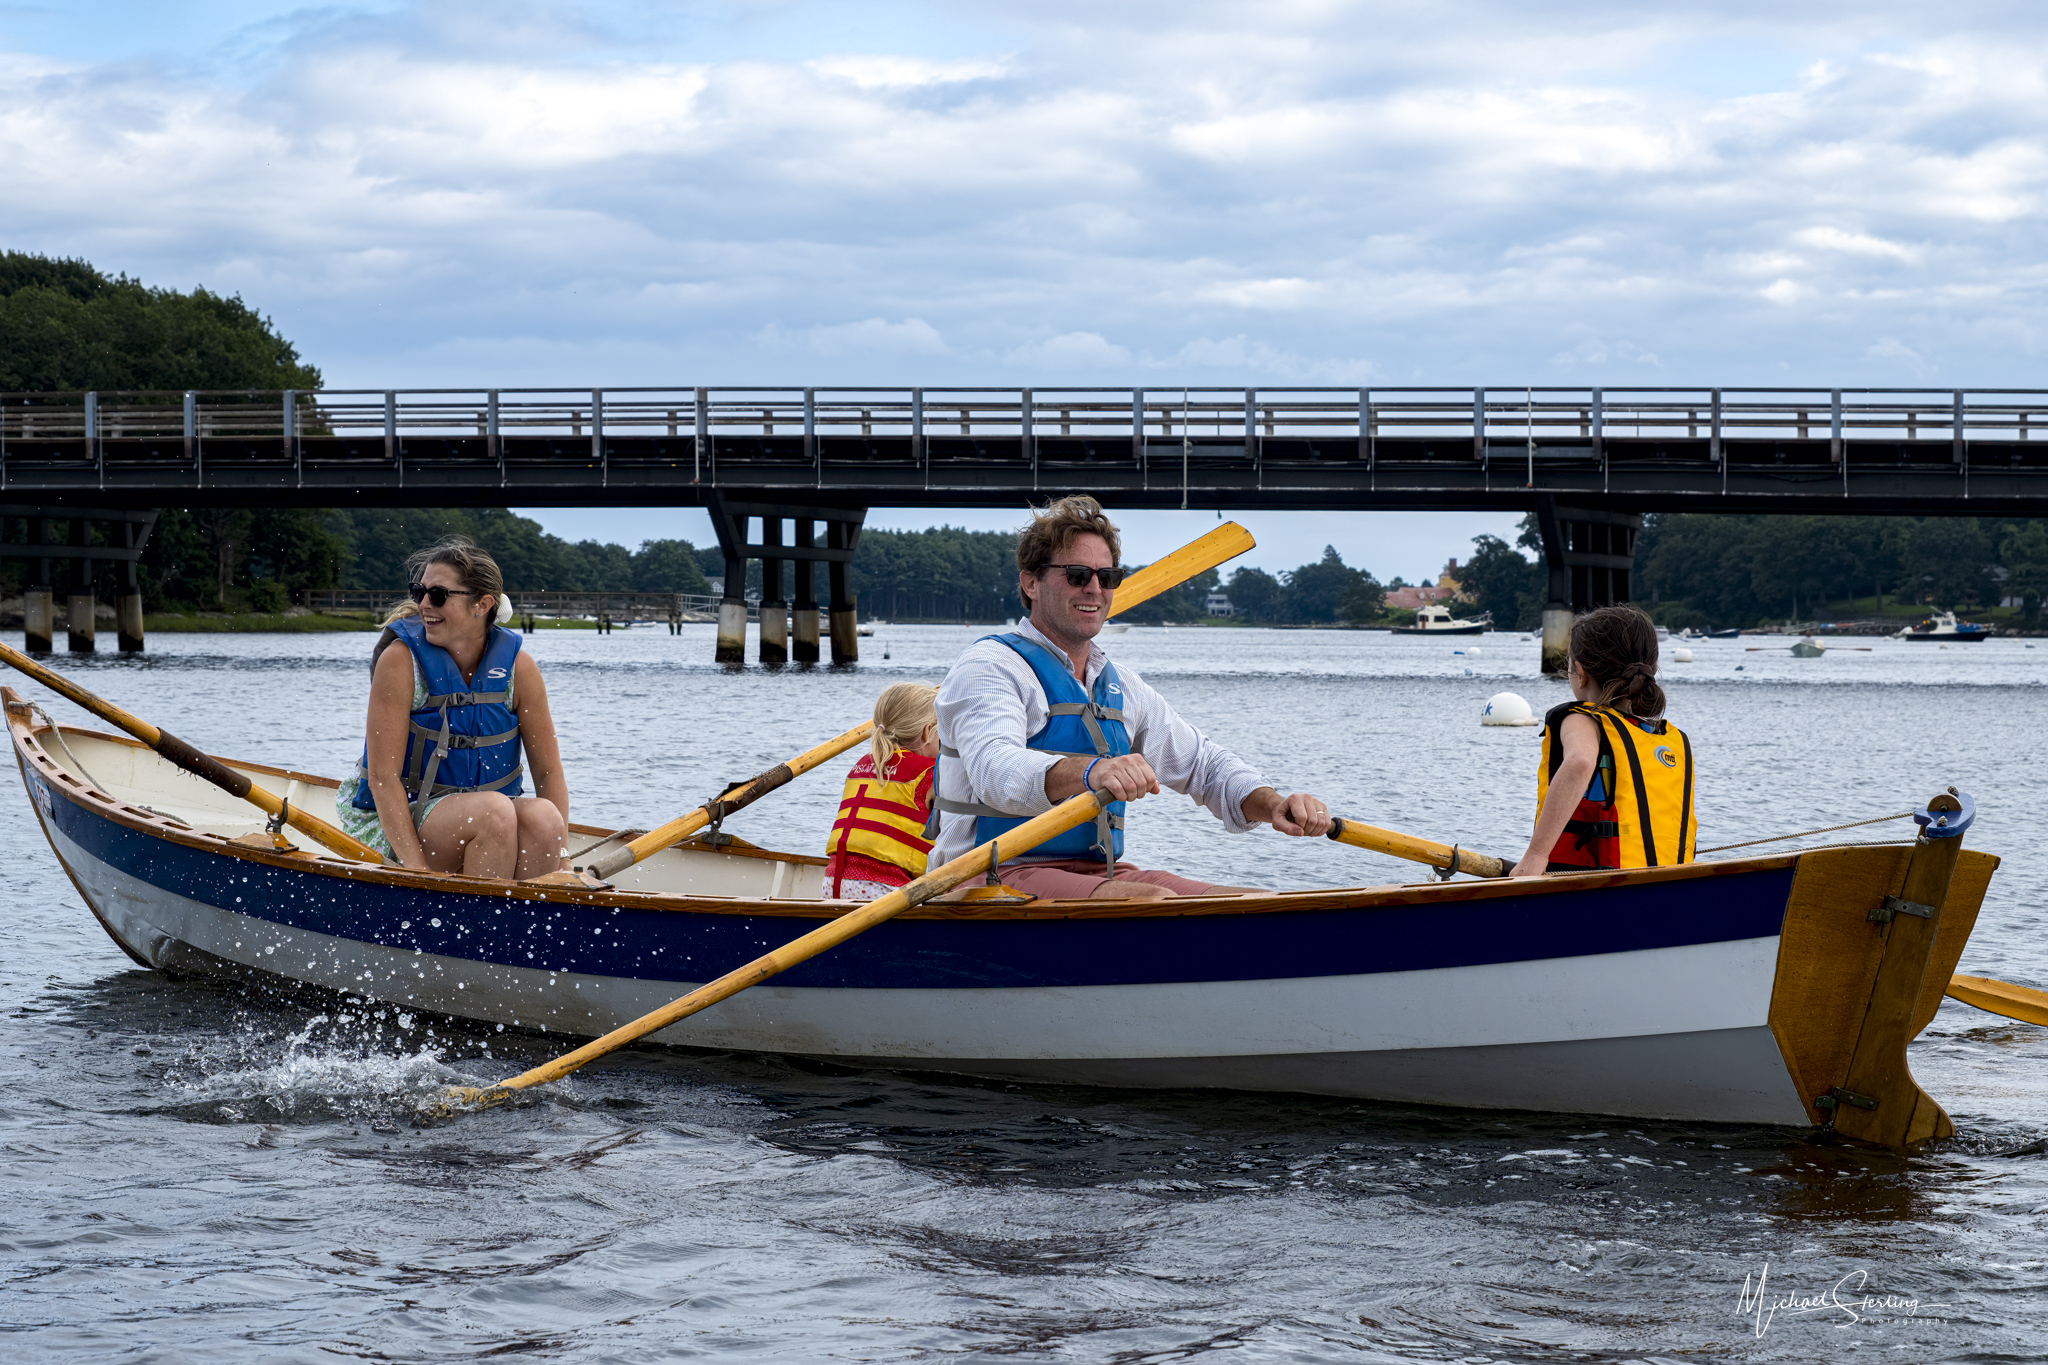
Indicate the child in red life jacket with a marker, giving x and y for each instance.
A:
(878, 841)
(1615, 785)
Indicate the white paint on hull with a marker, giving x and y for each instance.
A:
(1675, 1033)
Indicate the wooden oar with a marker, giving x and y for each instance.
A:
(191, 760)
(2001, 997)
(733, 798)
(1205, 552)
(1025, 837)
(1417, 850)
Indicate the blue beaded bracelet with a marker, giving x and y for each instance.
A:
(1087, 770)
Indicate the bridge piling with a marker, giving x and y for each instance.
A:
(81, 606)
(774, 611)
(805, 647)
(1590, 558)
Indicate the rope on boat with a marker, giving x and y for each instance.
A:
(1805, 833)
(86, 772)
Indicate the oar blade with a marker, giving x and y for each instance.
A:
(1219, 546)
(2001, 997)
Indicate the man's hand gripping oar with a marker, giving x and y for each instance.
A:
(1224, 543)
(1076, 810)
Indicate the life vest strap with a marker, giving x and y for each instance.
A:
(455, 741)
(466, 699)
(1594, 829)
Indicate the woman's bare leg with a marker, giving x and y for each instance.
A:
(473, 832)
(543, 835)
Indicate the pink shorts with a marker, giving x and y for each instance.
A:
(1075, 879)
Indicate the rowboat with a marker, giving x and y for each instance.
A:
(1729, 991)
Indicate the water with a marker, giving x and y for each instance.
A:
(195, 1171)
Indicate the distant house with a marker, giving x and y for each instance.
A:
(1412, 599)
(1218, 604)
(717, 586)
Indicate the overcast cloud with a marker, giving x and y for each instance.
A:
(1311, 192)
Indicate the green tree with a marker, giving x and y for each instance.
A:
(1499, 579)
(1364, 602)
(1315, 591)
(1255, 594)
(2023, 550)
(668, 566)
(64, 325)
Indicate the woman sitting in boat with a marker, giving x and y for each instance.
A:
(878, 841)
(440, 787)
(1615, 786)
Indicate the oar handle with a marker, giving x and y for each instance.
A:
(201, 765)
(733, 798)
(1074, 811)
(1417, 850)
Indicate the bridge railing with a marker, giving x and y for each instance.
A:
(374, 422)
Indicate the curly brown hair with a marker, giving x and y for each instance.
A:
(1053, 528)
(1617, 646)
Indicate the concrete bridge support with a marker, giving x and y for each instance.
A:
(123, 536)
(1590, 557)
(787, 631)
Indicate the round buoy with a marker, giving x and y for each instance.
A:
(1507, 708)
(1682, 656)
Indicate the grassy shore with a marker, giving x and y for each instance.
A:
(250, 622)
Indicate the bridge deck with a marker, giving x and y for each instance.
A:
(1962, 451)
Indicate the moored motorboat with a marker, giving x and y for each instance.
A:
(1436, 619)
(1944, 627)
(1730, 991)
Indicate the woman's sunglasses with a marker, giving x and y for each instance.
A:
(439, 595)
(1079, 574)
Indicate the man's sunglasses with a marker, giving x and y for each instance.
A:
(439, 595)
(1079, 574)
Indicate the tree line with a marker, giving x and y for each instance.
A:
(65, 325)
(1714, 570)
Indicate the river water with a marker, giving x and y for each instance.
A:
(203, 1172)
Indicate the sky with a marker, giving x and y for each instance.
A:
(1298, 192)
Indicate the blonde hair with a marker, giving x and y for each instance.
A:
(1053, 529)
(901, 713)
(473, 565)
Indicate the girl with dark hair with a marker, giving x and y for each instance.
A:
(441, 786)
(1615, 786)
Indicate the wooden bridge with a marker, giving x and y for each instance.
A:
(1634, 449)
(789, 473)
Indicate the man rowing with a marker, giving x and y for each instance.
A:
(1030, 718)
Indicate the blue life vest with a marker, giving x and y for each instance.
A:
(1079, 726)
(459, 740)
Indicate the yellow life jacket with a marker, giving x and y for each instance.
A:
(1638, 808)
(882, 820)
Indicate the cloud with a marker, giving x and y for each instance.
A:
(1072, 352)
(871, 337)
(1304, 192)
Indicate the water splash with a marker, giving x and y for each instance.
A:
(376, 1063)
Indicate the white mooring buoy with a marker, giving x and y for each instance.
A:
(1507, 708)
(1682, 656)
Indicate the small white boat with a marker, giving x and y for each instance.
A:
(1944, 627)
(865, 628)
(1436, 619)
(1115, 627)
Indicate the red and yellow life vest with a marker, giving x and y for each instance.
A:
(1638, 807)
(879, 835)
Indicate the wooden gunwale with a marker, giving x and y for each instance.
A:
(29, 751)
